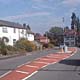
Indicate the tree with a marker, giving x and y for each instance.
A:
(55, 34)
(66, 28)
(73, 22)
(78, 24)
(56, 30)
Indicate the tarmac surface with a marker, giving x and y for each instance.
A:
(68, 69)
(26, 70)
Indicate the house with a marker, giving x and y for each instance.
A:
(12, 32)
(78, 39)
(42, 39)
(70, 37)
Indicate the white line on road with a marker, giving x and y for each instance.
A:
(23, 72)
(5, 74)
(24, 64)
(44, 59)
(41, 62)
(20, 65)
(32, 66)
(47, 65)
(30, 75)
(53, 56)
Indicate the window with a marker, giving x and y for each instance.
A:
(14, 41)
(4, 29)
(67, 38)
(14, 30)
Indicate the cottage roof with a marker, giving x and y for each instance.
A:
(11, 24)
(29, 32)
(14, 25)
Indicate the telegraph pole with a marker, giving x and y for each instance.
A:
(63, 28)
(63, 22)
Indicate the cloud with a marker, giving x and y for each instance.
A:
(43, 7)
(71, 2)
(26, 15)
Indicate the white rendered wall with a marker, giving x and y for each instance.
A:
(17, 35)
(30, 37)
(10, 34)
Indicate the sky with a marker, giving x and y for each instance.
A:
(41, 15)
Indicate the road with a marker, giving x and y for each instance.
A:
(68, 69)
(11, 63)
(47, 65)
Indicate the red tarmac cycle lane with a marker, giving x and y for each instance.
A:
(20, 73)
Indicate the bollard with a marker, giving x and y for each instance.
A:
(65, 48)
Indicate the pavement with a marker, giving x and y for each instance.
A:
(28, 69)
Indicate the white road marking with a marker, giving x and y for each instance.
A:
(48, 64)
(53, 56)
(30, 75)
(32, 66)
(5, 74)
(24, 64)
(44, 59)
(20, 65)
(37, 71)
(23, 72)
(42, 62)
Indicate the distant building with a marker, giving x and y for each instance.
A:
(14, 31)
(70, 37)
(42, 39)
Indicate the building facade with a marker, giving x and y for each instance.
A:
(14, 31)
(70, 37)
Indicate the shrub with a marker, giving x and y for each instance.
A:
(3, 49)
(25, 45)
(50, 45)
(11, 48)
(29, 49)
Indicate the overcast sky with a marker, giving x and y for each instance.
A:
(39, 14)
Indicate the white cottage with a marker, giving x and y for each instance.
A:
(14, 31)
